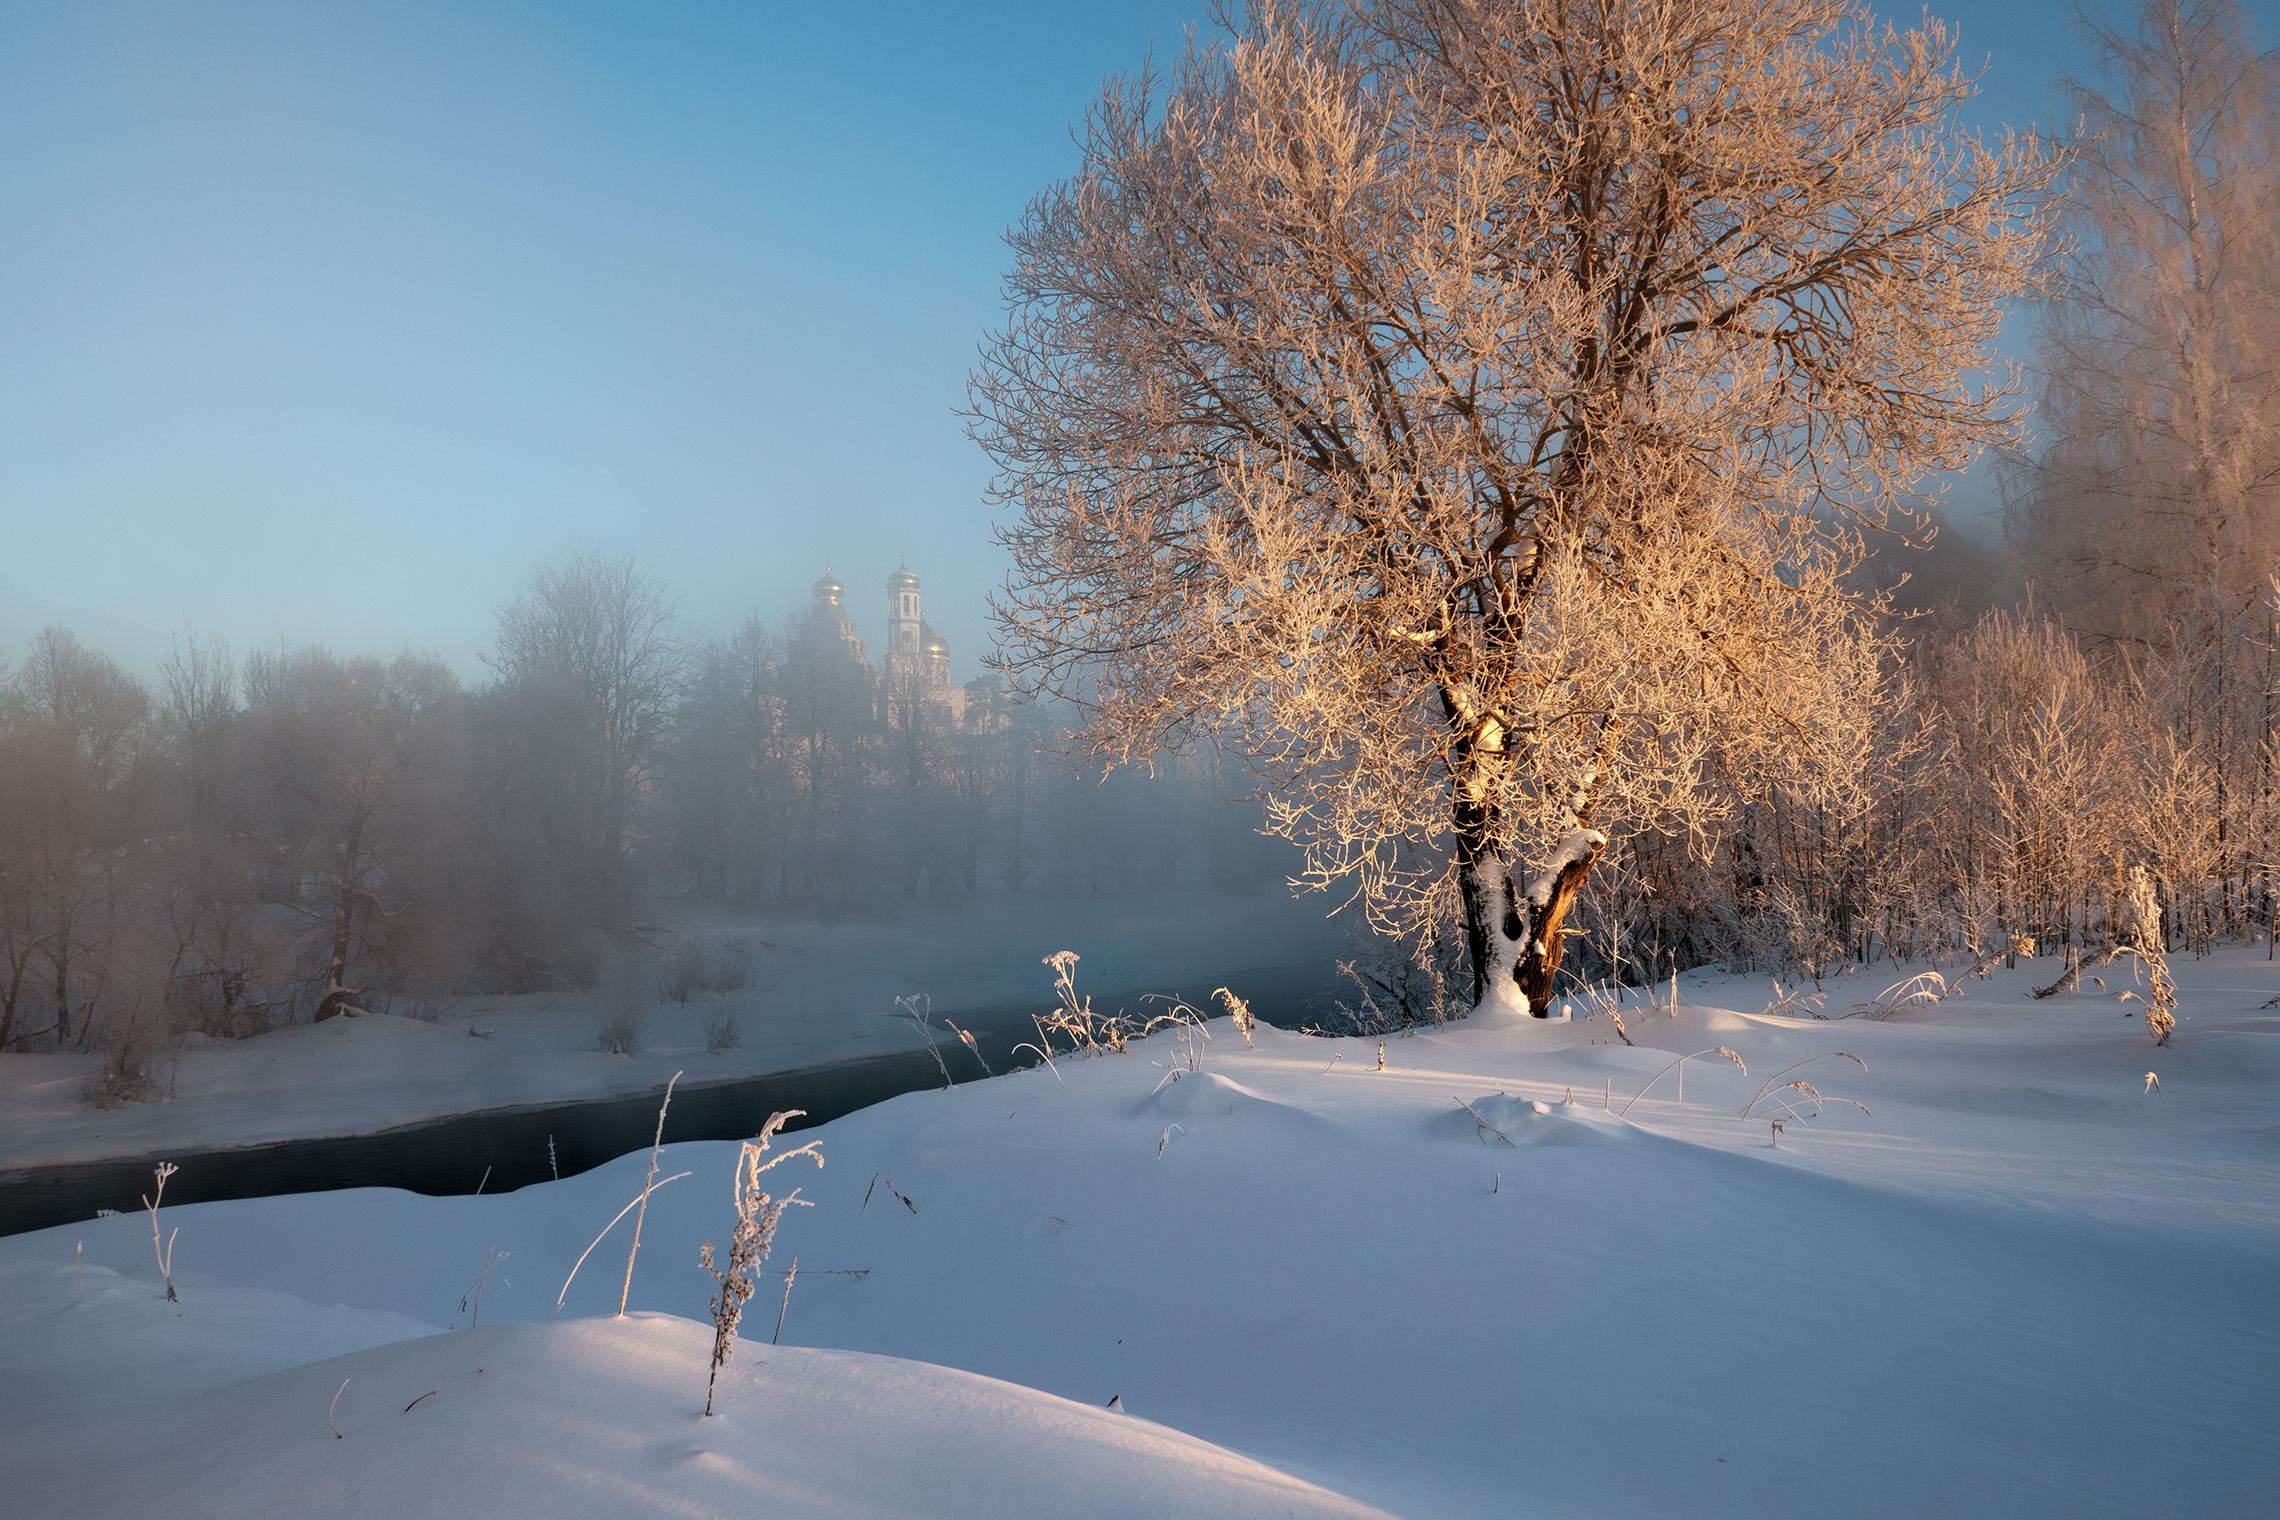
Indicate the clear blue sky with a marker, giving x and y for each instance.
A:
(331, 320)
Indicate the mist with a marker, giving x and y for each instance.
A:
(252, 841)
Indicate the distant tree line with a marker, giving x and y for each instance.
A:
(298, 834)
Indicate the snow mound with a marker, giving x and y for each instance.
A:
(2242, 1052)
(1499, 1119)
(604, 1417)
(1710, 1020)
(1207, 1094)
(2048, 1102)
(77, 1335)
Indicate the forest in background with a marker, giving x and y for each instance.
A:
(2045, 734)
(250, 844)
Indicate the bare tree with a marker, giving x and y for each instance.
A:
(347, 748)
(197, 709)
(225, 963)
(597, 628)
(1471, 409)
(723, 769)
(74, 730)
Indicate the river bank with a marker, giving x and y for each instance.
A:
(821, 991)
(505, 1147)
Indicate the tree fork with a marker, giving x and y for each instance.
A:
(1540, 956)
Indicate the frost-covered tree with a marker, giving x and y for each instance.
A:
(1469, 408)
(2150, 517)
(2153, 507)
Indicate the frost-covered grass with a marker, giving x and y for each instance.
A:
(2024, 1283)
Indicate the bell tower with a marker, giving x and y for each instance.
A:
(906, 616)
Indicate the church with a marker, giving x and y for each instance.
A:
(916, 668)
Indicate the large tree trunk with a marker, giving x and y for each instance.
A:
(1494, 933)
(1515, 937)
(59, 956)
(339, 997)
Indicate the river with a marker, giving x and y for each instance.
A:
(501, 1149)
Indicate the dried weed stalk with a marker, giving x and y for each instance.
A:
(1771, 1091)
(1715, 1050)
(757, 1214)
(165, 1253)
(1924, 987)
(2160, 1003)
(1090, 1033)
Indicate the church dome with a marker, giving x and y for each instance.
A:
(930, 642)
(902, 580)
(828, 589)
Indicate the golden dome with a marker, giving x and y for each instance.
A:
(828, 589)
(902, 580)
(930, 642)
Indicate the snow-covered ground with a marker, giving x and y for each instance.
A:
(2025, 1283)
(820, 992)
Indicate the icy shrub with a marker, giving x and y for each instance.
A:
(723, 1024)
(428, 1010)
(701, 965)
(136, 1034)
(686, 968)
(137, 1068)
(622, 1022)
(1418, 978)
(1780, 931)
(732, 966)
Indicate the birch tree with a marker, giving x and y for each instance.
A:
(2151, 517)
(2156, 498)
(1468, 410)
